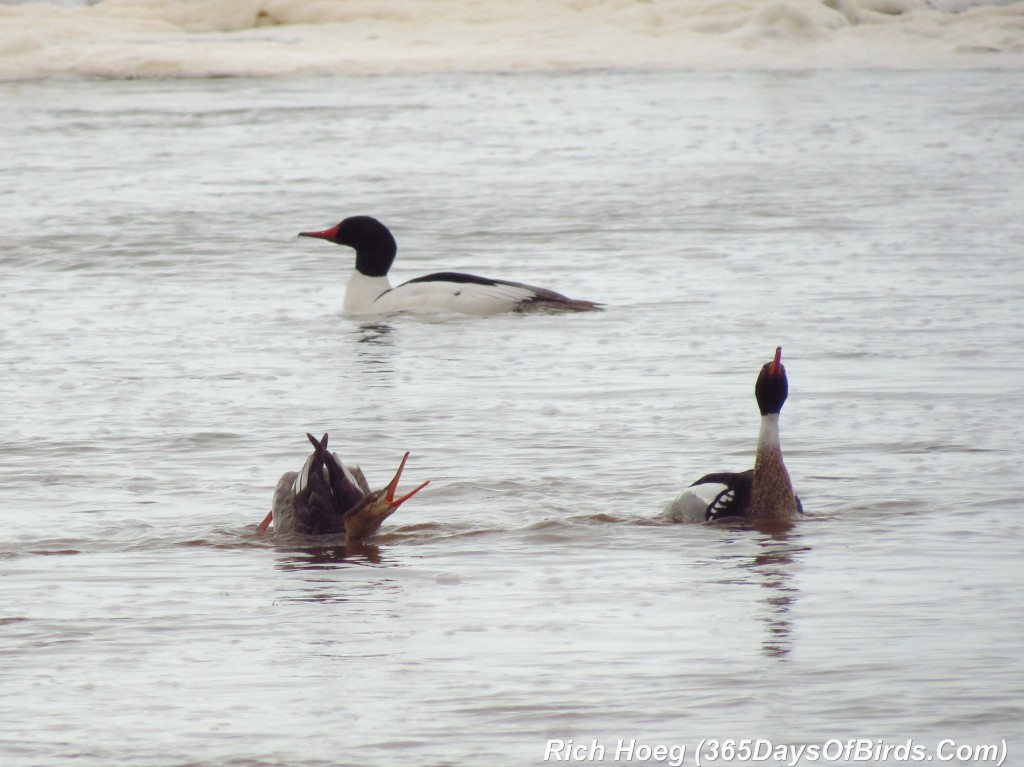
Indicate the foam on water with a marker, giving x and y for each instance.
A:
(204, 38)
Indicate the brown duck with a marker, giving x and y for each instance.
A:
(764, 495)
(329, 498)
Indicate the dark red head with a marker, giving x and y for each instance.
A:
(772, 386)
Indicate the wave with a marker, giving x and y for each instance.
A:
(216, 38)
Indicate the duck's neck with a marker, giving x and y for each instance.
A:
(772, 495)
(364, 522)
(362, 291)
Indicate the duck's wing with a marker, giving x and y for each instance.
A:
(313, 505)
(359, 479)
(282, 505)
(470, 294)
(727, 493)
(348, 484)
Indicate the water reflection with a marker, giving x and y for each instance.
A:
(328, 556)
(374, 351)
(375, 333)
(773, 566)
(326, 573)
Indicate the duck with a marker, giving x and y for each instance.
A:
(329, 498)
(370, 292)
(763, 495)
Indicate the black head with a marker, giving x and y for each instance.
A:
(374, 245)
(772, 386)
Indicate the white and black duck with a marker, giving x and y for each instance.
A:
(370, 292)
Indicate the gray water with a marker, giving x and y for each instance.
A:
(167, 341)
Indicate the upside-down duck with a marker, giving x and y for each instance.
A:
(327, 498)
